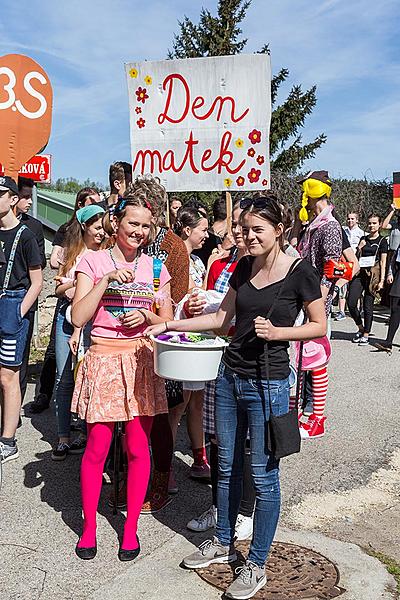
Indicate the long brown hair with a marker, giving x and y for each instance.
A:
(74, 243)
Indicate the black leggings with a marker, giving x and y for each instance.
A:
(394, 321)
(357, 286)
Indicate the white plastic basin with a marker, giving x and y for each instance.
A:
(187, 362)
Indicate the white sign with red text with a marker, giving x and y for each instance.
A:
(37, 168)
(202, 124)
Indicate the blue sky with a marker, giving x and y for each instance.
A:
(349, 49)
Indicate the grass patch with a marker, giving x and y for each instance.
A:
(392, 566)
(37, 354)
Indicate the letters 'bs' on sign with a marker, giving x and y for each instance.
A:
(202, 124)
(26, 99)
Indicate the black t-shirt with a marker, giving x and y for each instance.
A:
(245, 353)
(37, 229)
(27, 255)
(375, 247)
(212, 242)
(345, 241)
(2, 258)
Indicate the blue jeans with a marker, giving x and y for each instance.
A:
(241, 405)
(64, 373)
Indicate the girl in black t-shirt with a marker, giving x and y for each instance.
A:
(371, 253)
(247, 386)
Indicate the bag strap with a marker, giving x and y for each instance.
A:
(269, 314)
(11, 258)
(157, 266)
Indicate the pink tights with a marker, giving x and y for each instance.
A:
(137, 434)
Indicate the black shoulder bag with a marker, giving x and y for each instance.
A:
(283, 430)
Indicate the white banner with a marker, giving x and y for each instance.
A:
(202, 124)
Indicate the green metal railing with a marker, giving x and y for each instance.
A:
(54, 208)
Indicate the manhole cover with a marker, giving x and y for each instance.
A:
(293, 573)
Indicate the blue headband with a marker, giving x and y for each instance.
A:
(87, 212)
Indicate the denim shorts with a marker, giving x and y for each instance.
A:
(13, 328)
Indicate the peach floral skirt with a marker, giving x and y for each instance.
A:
(116, 382)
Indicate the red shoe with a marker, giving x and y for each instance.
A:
(200, 471)
(313, 428)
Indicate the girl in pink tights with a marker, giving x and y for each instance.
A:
(115, 289)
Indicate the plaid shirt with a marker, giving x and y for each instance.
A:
(222, 286)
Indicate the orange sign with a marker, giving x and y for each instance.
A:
(26, 100)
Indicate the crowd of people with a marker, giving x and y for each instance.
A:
(136, 264)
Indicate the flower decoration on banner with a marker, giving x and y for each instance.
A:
(148, 80)
(254, 175)
(260, 160)
(141, 123)
(133, 73)
(240, 181)
(251, 152)
(255, 136)
(239, 143)
(141, 94)
(265, 182)
(138, 110)
(228, 182)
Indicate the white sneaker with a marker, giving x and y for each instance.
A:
(243, 527)
(207, 520)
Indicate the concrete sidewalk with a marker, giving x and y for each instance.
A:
(345, 485)
(159, 576)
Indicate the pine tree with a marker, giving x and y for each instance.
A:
(221, 36)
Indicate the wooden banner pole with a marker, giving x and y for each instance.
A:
(229, 212)
(167, 221)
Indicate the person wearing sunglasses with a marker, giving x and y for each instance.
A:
(254, 375)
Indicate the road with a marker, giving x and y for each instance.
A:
(338, 484)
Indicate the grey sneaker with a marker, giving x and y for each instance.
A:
(250, 579)
(8, 452)
(209, 553)
(364, 341)
(207, 520)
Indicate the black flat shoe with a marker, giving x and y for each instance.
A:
(86, 553)
(125, 555)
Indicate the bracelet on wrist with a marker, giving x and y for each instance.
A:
(166, 325)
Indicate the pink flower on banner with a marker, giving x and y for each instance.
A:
(265, 182)
(141, 123)
(251, 152)
(138, 110)
(260, 160)
(141, 94)
(240, 181)
(254, 175)
(255, 136)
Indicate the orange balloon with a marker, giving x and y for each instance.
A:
(26, 102)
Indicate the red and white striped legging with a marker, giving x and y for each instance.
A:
(319, 383)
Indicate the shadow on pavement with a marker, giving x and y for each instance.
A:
(193, 497)
(60, 480)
